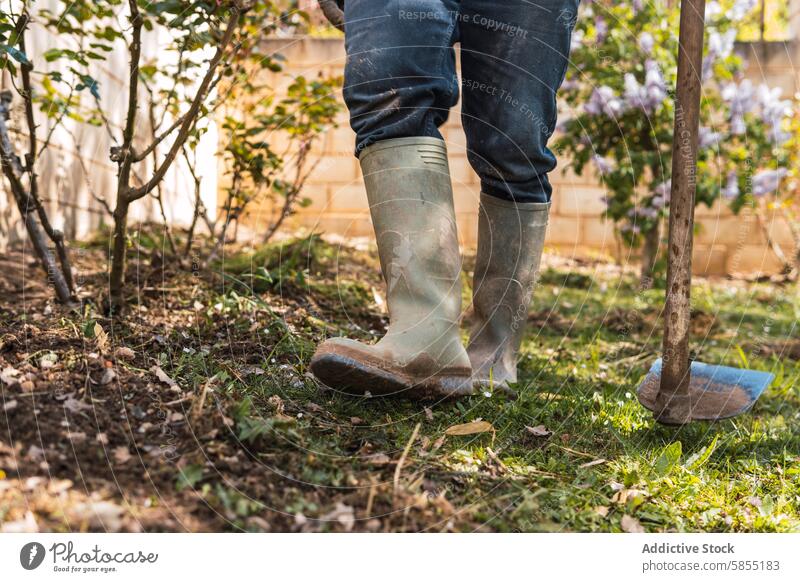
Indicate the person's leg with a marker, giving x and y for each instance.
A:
(400, 76)
(514, 57)
(400, 84)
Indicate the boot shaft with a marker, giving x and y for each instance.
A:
(411, 205)
(510, 243)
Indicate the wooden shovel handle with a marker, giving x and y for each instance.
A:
(672, 403)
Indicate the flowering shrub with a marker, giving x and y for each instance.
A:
(620, 89)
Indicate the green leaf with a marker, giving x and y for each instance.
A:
(88, 328)
(15, 54)
(667, 460)
(188, 477)
(52, 54)
(701, 458)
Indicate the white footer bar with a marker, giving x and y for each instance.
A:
(388, 557)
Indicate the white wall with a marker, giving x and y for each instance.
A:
(62, 181)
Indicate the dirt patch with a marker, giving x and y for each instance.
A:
(97, 432)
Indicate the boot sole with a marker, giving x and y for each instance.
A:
(353, 376)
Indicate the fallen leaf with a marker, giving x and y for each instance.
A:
(124, 353)
(26, 525)
(355, 421)
(10, 405)
(593, 463)
(163, 377)
(379, 459)
(624, 495)
(539, 431)
(474, 427)
(98, 515)
(74, 405)
(343, 514)
(101, 438)
(631, 525)
(9, 376)
(122, 455)
(107, 377)
(601, 510)
(100, 337)
(48, 360)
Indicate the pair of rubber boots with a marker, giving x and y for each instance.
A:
(422, 356)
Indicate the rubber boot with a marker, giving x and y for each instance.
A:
(510, 243)
(421, 356)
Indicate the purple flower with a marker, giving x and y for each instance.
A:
(774, 111)
(740, 9)
(601, 29)
(654, 84)
(604, 100)
(634, 92)
(720, 46)
(603, 165)
(570, 85)
(663, 190)
(709, 138)
(740, 100)
(713, 9)
(577, 40)
(767, 181)
(646, 43)
(649, 96)
(731, 189)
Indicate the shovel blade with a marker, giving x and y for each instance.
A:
(715, 392)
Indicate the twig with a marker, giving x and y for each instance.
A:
(373, 490)
(190, 117)
(402, 459)
(197, 408)
(493, 456)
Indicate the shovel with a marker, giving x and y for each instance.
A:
(676, 390)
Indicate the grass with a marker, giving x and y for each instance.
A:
(255, 444)
(589, 344)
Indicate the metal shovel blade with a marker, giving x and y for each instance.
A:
(715, 392)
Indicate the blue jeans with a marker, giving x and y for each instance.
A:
(401, 81)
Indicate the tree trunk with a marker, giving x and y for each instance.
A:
(118, 252)
(652, 240)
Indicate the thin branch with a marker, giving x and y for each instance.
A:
(191, 115)
(12, 169)
(123, 153)
(141, 156)
(55, 125)
(27, 97)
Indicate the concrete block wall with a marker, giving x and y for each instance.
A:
(725, 243)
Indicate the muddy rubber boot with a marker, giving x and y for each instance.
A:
(421, 355)
(510, 243)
